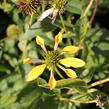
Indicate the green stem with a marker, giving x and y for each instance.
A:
(43, 6)
(24, 49)
(87, 9)
(57, 71)
(62, 21)
(76, 101)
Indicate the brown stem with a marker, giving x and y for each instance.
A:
(94, 12)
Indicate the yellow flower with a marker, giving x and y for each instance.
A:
(52, 60)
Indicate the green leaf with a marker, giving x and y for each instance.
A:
(37, 29)
(73, 6)
(45, 103)
(29, 94)
(7, 99)
(9, 44)
(76, 84)
(3, 68)
(66, 105)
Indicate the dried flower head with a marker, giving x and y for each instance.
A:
(101, 100)
(28, 6)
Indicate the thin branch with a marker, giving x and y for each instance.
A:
(98, 83)
(76, 101)
(94, 12)
(62, 21)
(87, 9)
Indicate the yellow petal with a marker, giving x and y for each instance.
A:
(70, 49)
(52, 82)
(58, 38)
(35, 72)
(70, 73)
(39, 41)
(27, 61)
(72, 62)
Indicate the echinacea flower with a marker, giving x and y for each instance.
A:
(52, 61)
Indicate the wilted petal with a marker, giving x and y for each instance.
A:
(35, 72)
(70, 73)
(39, 41)
(72, 62)
(52, 82)
(70, 49)
(45, 14)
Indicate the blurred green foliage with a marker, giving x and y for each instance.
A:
(17, 42)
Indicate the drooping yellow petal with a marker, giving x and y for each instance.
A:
(72, 62)
(70, 49)
(58, 38)
(52, 82)
(70, 73)
(39, 41)
(35, 72)
(27, 61)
